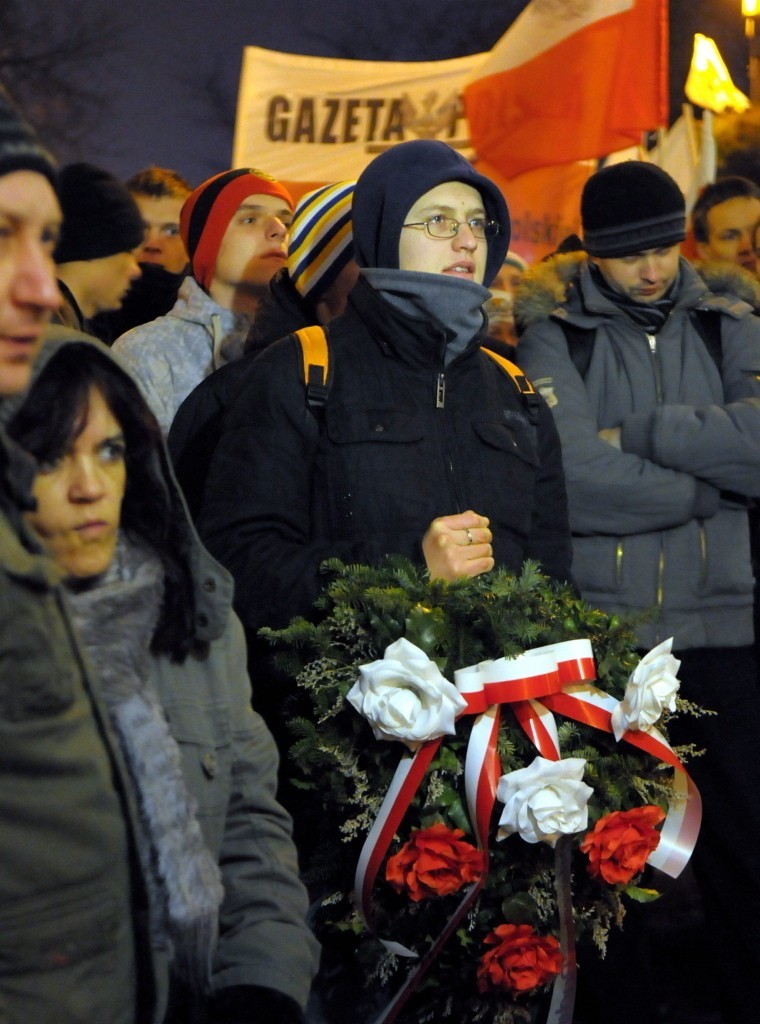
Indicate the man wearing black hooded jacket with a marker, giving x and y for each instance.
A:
(426, 448)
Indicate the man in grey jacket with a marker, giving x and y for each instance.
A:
(654, 382)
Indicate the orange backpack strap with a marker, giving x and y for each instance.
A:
(520, 381)
(316, 364)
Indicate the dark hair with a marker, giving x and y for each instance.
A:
(54, 414)
(719, 191)
(158, 182)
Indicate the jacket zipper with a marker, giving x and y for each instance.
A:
(619, 563)
(652, 339)
(703, 555)
(619, 550)
(660, 592)
(660, 581)
(440, 403)
(440, 391)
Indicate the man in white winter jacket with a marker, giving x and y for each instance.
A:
(235, 229)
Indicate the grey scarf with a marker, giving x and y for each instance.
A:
(650, 316)
(115, 616)
(455, 306)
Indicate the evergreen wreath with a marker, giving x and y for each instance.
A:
(498, 965)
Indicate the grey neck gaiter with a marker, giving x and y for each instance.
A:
(453, 305)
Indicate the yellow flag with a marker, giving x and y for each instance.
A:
(708, 83)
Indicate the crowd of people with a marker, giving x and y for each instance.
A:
(175, 469)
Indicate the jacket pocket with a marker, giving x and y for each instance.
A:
(373, 468)
(374, 426)
(601, 566)
(499, 472)
(68, 952)
(514, 438)
(58, 930)
(723, 557)
(204, 737)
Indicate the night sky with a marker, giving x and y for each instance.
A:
(169, 91)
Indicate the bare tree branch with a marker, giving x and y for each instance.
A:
(50, 61)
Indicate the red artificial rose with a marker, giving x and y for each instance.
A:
(520, 960)
(619, 844)
(435, 862)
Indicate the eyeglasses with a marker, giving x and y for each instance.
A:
(439, 226)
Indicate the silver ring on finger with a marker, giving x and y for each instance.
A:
(469, 536)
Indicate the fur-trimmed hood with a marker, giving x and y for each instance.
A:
(551, 283)
(545, 286)
(724, 278)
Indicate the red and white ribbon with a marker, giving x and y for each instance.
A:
(557, 678)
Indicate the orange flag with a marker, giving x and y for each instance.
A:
(570, 80)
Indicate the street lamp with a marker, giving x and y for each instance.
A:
(751, 10)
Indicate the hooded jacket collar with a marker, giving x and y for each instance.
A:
(562, 287)
(456, 307)
(410, 338)
(196, 306)
(728, 278)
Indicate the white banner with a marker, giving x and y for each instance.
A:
(319, 119)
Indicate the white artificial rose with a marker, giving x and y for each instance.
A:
(544, 801)
(405, 697)
(652, 687)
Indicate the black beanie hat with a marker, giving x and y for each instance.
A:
(100, 217)
(629, 207)
(393, 182)
(19, 148)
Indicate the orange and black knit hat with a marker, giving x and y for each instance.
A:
(208, 210)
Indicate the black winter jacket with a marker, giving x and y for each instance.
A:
(402, 442)
(199, 421)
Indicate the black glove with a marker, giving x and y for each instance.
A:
(253, 1004)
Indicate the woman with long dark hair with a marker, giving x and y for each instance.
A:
(154, 613)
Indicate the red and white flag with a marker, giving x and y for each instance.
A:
(570, 80)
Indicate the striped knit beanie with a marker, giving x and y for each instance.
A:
(208, 210)
(321, 238)
(19, 147)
